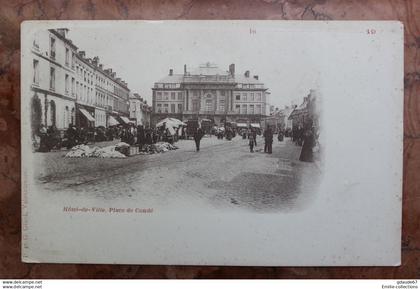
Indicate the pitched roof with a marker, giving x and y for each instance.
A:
(174, 78)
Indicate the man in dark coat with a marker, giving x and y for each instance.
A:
(141, 137)
(198, 135)
(71, 136)
(268, 139)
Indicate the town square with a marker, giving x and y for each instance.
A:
(206, 134)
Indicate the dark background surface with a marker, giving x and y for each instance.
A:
(13, 12)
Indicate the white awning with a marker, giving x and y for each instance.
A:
(126, 120)
(239, 124)
(112, 121)
(87, 114)
(256, 125)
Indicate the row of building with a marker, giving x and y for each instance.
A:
(296, 116)
(210, 93)
(69, 88)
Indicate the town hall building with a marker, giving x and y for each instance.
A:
(210, 93)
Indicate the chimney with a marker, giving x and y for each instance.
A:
(101, 66)
(62, 31)
(95, 60)
(256, 77)
(113, 74)
(171, 72)
(82, 54)
(185, 69)
(247, 73)
(232, 69)
(118, 79)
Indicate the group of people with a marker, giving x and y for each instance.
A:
(251, 134)
(141, 136)
(48, 138)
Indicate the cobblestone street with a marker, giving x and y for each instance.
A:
(223, 175)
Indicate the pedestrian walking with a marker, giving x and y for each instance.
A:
(280, 136)
(268, 139)
(71, 134)
(251, 144)
(198, 135)
(254, 136)
(141, 138)
(43, 144)
(306, 154)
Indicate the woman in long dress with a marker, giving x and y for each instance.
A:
(306, 155)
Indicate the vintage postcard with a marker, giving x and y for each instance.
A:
(272, 143)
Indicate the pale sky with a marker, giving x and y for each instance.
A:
(141, 53)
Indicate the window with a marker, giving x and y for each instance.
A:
(84, 75)
(66, 83)
(173, 95)
(251, 109)
(72, 60)
(238, 97)
(222, 93)
(195, 104)
(173, 107)
(67, 56)
(52, 78)
(52, 48)
(251, 96)
(166, 95)
(244, 95)
(36, 72)
(52, 112)
(36, 44)
(239, 85)
(165, 106)
(159, 107)
(179, 95)
(258, 109)
(259, 96)
(244, 109)
(222, 105)
(66, 118)
(179, 107)
(72, 86)
(237, 108)
(73, 116)
(209, 104)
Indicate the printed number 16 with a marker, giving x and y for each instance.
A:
(371, 31)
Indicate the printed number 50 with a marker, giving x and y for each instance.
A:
(371, 31)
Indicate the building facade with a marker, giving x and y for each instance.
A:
(307, 114)
(53, 80)
(85, 92)
(112, 96)
(69, 88)
(139, 110)
(210, 93)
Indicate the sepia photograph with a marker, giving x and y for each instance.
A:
(169, 142)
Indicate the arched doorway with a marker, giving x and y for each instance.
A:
(73, 116)
(52, 113)
(36, 114)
